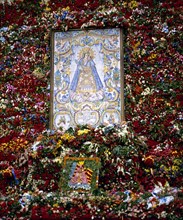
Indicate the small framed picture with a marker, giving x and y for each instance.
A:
(80, 174)
(86, 78)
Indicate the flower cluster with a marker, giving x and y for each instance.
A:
(134, 158)
(124, 183)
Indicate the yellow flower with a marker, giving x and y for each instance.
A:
(175, 168)
(107, 152)
(66, 9)
(177, 161)
(152, 56)
(166, 169)
(47, 8)
(147, 170)
(174, 152)
(59, 142)
(85, 131)
(133, 4)
(67, 136)
(133, 196)
(136, 45)
(56, 205)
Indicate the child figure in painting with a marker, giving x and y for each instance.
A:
(80, 176)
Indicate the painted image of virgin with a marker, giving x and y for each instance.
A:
(86, 84)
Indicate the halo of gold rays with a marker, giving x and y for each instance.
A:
(86, 50)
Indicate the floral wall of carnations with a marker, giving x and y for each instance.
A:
(141, 160)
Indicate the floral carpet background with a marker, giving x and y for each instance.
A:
(141, 160)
